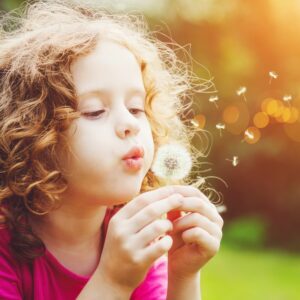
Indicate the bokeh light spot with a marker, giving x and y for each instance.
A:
(286, 114)
(242, 121)
(261, 119)
(293, 131)
(265, 103)
(201, 120)
(280, 109)
(272, 107)
(231, 114)
(294, 115)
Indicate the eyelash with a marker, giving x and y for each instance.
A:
(92, 114)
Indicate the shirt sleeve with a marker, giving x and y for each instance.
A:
(155, 285)
(9, 280)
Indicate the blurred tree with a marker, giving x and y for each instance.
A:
(9, 4)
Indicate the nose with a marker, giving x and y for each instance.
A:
(127, 125)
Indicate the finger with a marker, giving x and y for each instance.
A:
(149, 233)
(196, 204)
(203, 239)
(190, 191)
(153, 211)
(143, 200)
(196, 220)
(156, 249)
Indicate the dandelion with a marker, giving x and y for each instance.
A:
(172, 161)
(234, 160)
(214, 99)
(273, 75)
(241, 92)
(220, 126)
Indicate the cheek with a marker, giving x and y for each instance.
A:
(150, 145)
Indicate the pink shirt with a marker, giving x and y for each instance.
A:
(49, 279)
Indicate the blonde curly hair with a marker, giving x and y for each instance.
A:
(38, 43)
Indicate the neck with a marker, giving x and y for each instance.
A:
(73, 226)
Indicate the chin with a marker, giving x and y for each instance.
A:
(117, 196)
(124, 197)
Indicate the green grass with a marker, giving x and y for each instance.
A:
(239, 274)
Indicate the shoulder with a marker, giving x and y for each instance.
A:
(6, 257)
(4, 240)
(10, 273)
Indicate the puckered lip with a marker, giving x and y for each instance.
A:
(134, 153)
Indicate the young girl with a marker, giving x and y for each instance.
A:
(87, 97)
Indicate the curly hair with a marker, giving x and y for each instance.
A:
(38, 43)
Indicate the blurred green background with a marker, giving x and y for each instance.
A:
(252, 50)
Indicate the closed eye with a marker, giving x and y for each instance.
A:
(136, 110)
(98, 113)
(93, 114)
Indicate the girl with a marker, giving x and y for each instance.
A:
(87, 97)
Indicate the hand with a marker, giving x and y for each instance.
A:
(132, 243)
(196, 235)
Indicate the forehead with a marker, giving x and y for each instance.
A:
(110, 66)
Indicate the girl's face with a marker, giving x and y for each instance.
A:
(111, 94)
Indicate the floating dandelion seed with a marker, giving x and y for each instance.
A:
(172, 161)
(214, 99)
(241, 92)
(273, 75)
(249, 134)
(220, 126)
(195, 123)
(234, 160)
(287, 98)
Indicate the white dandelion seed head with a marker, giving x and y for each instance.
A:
(172, 161)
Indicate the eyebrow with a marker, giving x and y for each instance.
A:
(100, 92)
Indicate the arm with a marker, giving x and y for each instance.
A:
(99, 286)
(187, 288)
